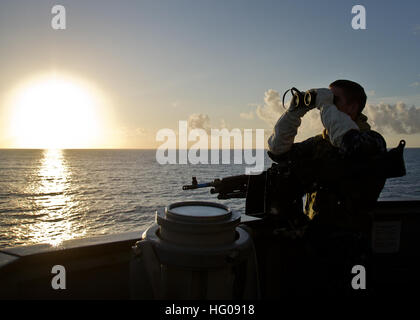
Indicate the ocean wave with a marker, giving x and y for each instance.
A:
(26, 216)
(14, 210)
(118, 196)
(29, 195)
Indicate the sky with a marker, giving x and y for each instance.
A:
(149, 64)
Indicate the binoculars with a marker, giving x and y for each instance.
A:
(302, 99)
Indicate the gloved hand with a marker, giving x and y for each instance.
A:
(324, 97)
(336, 122)
(298, 111)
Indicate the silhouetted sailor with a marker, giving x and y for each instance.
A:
(340, 203)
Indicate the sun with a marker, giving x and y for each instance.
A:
(56, 111)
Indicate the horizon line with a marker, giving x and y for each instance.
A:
(120, 149)
(154, 149)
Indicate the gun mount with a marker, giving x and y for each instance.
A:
(279, 190)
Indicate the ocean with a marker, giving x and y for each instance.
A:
(48, 196)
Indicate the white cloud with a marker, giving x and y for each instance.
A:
(391, 118)
(141, 131)
(247, 115)
(272, 108)
(394, 118)
(223, 124)
(415, 84)
(199, 121)
(202, 121)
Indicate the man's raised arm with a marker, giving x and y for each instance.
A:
(285, 130)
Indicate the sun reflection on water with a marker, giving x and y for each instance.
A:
(56, 223)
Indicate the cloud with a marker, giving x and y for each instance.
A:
(272, 108)
(415, 84)
(394, 118)
(416, 29)
(370, 93)
(140, 131)
(224, 124)
(202, 121)
(199, 121)
(247, 115)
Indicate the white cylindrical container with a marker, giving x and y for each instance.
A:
(195, 250)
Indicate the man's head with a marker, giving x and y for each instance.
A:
(349, 97)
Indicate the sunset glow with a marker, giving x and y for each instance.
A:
(56, 111)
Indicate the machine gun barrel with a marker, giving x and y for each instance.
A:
(226, 188)
(197, 186)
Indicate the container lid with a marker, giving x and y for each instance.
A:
(195, 223)
(196, 211)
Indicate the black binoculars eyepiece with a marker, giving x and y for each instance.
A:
(302, 99)
(309, 98)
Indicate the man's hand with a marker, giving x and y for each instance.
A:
(324, 97)
(298, 111)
